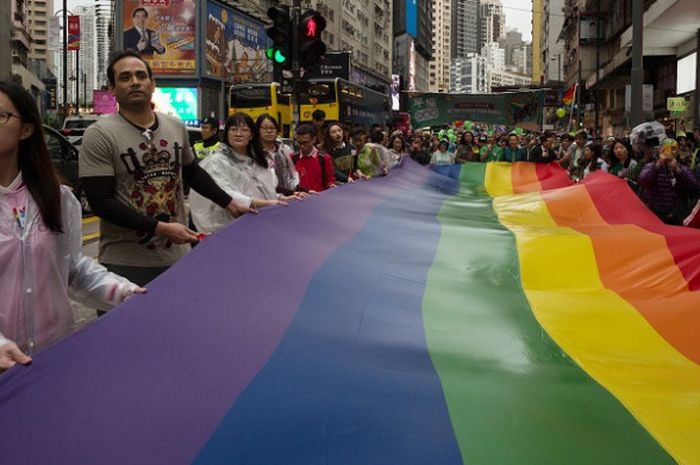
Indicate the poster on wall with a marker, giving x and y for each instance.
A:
(238, 42)
(163, 32)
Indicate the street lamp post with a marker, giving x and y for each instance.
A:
(65, 56)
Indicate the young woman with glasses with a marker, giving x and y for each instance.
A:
(40, 240)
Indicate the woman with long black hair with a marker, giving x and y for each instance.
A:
(242, 170)
(40, 240)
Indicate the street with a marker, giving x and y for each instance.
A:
(91, 234)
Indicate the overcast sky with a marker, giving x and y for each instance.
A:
(518, 14)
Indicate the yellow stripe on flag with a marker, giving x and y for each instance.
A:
(497, 178)
(601, 331)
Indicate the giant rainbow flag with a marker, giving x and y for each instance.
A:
(484, 314)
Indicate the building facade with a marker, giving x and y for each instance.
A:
(412, 51)
(465, 33)
(469, 75)
(537, 69)
(24, 69)
(441, 56)
(39, 13)
(491, 22)
(88, 53)
(552, 48)
(364, 29)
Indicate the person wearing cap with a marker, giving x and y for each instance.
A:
(210, 142)
(442, 156)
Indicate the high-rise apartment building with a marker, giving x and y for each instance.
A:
(469, 75)
(364, 28)
(509, 43)
(39, 12)
(552, 47)
(440, 64)
(23, 68)
(412, 43)
(492, 22)
(88, 52)
(464, 28)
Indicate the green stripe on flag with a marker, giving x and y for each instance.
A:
(513, 396)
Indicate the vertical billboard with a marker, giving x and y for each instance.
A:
(412, 18)
(73, 32)
(163, 33)
(237, 42)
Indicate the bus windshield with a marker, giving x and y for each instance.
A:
(315, 93)
(249, 97)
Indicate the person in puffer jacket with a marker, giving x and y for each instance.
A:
(40, 240)
(664, 182)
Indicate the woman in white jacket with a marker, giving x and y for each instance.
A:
(40, 240)
(242, 170)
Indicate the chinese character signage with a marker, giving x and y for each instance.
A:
(522, 109)
(237, 42)
(74, 32)
(163, 32)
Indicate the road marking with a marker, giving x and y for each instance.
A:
(90, 237)
(90, 220)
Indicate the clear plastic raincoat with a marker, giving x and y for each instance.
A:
(40, 269)
(240, 177)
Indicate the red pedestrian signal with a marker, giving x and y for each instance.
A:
(311, 47)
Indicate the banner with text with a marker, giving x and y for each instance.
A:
(163, 32)
(237, 41)
(515, 109)
(74, 32)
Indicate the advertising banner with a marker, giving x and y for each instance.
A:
(412, 18)
(74, 32)
(51, 96)
(514, 109)
(103, 102)
(237, 41)
(163, 32)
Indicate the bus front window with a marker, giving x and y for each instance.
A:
(251, 97)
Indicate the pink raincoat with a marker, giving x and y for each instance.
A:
(39, 269)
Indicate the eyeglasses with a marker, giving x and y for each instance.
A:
(148, 134)
(6, 115)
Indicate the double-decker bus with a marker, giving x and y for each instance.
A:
(256, 99)
(345, 102)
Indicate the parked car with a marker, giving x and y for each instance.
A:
(64, 157)
(74, 127)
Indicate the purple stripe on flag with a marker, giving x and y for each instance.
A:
(150, 382)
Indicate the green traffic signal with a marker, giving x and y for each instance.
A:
(276, 55)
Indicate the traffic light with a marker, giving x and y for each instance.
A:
(311, 47)
(280, 32)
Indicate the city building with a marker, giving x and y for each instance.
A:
(491, 22)
(412, 30)
(537, 73)
(597, 37)
(464, 28)
(522, 59)
(469, 75)
(503, 78)
(552, 48)
(365, 30)
(88, 71)
(39, 13)
(440, 63)
(23, 69)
